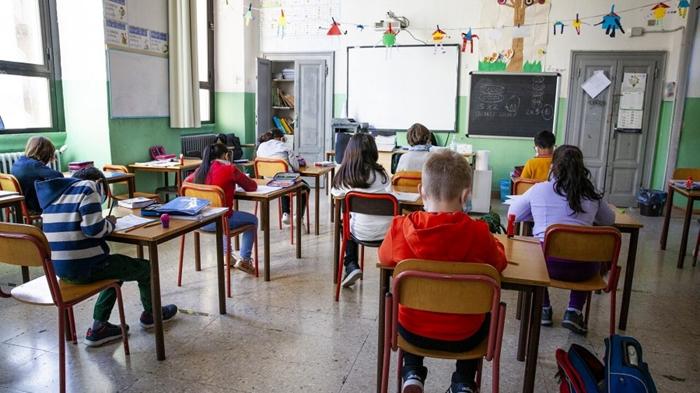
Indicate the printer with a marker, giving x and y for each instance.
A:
(343, 129)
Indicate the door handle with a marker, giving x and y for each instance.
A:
(628, 130)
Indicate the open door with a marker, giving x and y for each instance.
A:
(264, 97)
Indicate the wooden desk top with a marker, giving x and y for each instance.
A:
(190, 163)
(695, 194)
(255, 195)
(10, 199)
(315, 171)
(624, 220)
(156, 233)
(112, 177)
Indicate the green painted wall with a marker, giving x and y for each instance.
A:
(235, 112)
(661, 154)
(689, 148)
(86, 111)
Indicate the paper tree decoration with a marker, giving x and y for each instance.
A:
(659, 11)
(468, 37)
(577, 25)
(439, 36)
(389, 37)
(611, 22)
(683, 6)
(335, 29)
(518, 45)
(281, 24)
(560, 25)
(248, 16)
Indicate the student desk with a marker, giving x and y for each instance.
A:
(151, 237)
(117, 177)
(264, 199)
(189, 164)
(316, 172)
(691, 196)
(526, 272)
(14, 202)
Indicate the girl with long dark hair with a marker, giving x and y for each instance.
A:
(361, 172)
(216, 170)
(568, 197)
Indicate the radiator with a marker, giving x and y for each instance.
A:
(8, 159)
(194, 145)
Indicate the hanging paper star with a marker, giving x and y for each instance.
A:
(659, 11)
(559, 24)
(683, 6)
(335, 29)
(248, 16)
(577, 25)
(438, 36)
(281, 24)
(468, 37)
(611, 22)
(389, 37)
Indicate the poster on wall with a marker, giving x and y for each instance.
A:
(302, 18)
(516, 38)
(116, 33)
(138, 38)
(631, 112)
(158, 42)
(115, 10)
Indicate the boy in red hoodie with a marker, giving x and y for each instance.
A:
(443, 232)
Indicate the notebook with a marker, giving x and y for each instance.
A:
(186, 206)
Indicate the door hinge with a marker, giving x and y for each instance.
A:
(656, 73)
(211, 26)
(579, 73)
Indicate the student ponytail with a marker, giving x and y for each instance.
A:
(211, 153)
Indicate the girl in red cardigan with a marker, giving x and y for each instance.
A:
(216, 170)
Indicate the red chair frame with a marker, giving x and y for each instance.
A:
(346, 230)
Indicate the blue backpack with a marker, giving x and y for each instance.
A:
(624, 370)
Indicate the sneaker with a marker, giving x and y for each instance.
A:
(285, 218)
(573, 320)
(462, 388)
(147, 321)
(103, 335)
(245, 265)
(546, 316)
(350, 277)
(412, 383)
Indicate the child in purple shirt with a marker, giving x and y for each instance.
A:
(568, 197)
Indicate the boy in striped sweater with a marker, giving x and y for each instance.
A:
(76, 231)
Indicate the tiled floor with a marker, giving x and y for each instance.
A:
(288, 335)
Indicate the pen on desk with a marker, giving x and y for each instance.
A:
(111, 206)
(146, 225)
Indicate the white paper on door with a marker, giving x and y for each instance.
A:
(631, 112)
(596, 83)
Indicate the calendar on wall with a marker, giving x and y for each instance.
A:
(295, 19)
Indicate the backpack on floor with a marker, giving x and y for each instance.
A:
(624, 370)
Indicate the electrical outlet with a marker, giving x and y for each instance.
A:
(637, 32)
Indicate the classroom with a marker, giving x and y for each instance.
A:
(349, 196)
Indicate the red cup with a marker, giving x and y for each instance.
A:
(165, 220)
(511, 225)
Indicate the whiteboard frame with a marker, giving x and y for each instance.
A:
(347, 82)
(556, 102)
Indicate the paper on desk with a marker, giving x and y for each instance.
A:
(262, 189)
(406, 196)
(130, 221)
(510, 198)
(159, 164)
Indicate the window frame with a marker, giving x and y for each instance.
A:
(51, 69)
(209, 84)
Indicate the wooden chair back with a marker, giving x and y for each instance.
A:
(520, 186)
(407, 178)
(368, 203)
(580, 243)
(23, 245)
(684, 173)
(214, 194)
(9, 183)
(269, 167)
(115, 168)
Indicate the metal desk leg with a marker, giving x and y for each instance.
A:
(533, 344)
(336, 238)
(317, 207)
(155, 299)
(384, 279)
(220, 264)
(525, 312)
(686, 228)
(667, 218)
(299, 221)
(629, 277)
(265, 216)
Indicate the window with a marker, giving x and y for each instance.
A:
(205, 56)
(29, 99)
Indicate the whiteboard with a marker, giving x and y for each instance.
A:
(138, 85)
(393, 88)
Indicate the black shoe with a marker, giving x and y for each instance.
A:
(147, 321)
(351, 276)
(546, 316)
(462, 388)
(412, 383)
(573, 320)
(105, 334)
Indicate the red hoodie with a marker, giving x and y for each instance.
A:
(226, 176)
(441, 237)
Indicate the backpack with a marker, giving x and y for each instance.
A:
(235, 142)
(624, 370)
(493, 220)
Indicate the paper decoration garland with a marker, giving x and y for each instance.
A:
(559, 24)
(438, 36)
(360, 27)
(577, 25)
(335, 29)
(468, 37)
(389, 37)
(683, 6)
(281, 24)
(248, 16)
(611, 22)
(659, 11)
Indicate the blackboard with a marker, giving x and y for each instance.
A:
(512, 105)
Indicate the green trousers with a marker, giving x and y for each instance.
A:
(122, 268)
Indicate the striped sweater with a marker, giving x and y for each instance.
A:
(74, 226)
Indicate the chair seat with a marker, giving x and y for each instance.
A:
(37, 291)
(477, 353)
(137, 194)
(593, 284)
(367, 243)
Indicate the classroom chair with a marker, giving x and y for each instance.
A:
(216, 197)
(10, 183)
(364, 203)
(685, 173)
(407, 179)
(520, 185)
(445, 287)
(26, 245)
(121, 197)
(268, 168)
(573, 243)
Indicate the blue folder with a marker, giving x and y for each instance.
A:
(186, 206)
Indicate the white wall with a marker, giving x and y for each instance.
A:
(424, 15)
(236, 47)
